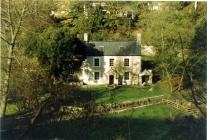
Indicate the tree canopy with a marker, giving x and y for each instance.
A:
(58, 50)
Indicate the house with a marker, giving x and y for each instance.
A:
(112, 62)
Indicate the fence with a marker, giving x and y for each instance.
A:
(180, 105)
(128, 105)
(147, 102)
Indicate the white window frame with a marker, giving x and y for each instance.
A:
(110, 63)
(98, 77)
(128, 77)
(129, 61)
(98, 60)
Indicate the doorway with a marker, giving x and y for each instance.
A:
(145, 79)
(111, 79)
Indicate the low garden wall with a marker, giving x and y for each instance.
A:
(100, 109)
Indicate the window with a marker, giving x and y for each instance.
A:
(96, 75)
(96, 62)
(111, 62)
(126, 62)
(121, 48)
(126, 76)
(101, 48)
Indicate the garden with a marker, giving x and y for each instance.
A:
(159, 122)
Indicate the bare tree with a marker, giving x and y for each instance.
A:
(12, 18)
(17, 19)
(197, 88)
(119, 69)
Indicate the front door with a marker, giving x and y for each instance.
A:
(111, 79)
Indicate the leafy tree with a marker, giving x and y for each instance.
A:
(194, 69)
(159, 31)
(99, 19)
(29, 84)
(17, 18)
(179, 38)
(58, 50)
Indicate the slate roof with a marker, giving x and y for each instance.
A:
(113, 48)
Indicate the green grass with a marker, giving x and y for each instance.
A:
(145, 123)
(158, 122)
(103, 94)
(150, 123)
(11, 109)
(156, 112)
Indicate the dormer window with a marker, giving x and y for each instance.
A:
(101, 48)
(121, 48)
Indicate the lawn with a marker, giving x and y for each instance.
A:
(104, 94)
(157, 122)
(150, 123)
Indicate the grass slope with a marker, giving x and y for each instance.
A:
(104, 94)
(151, 123)
(159, 122)
(119, 94)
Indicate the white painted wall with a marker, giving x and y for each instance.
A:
(88, 70)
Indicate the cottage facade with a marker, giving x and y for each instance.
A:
(112, 62)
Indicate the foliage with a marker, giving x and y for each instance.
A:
(178, 33)
(58, 50)
(194, 72)
(28, 83)
(159, 31)
(118, 67)
(188, 128)
(197, 56)
(17, 20)
(163, 30)
(106, 20)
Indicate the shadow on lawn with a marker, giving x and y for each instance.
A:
(124, 127)
(87, 94)
(101, 94)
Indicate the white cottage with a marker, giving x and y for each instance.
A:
(112, 62)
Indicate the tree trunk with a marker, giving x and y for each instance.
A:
(6, 81)
(14, 29)
(196, 5)
(169, 79)
(188, 74)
